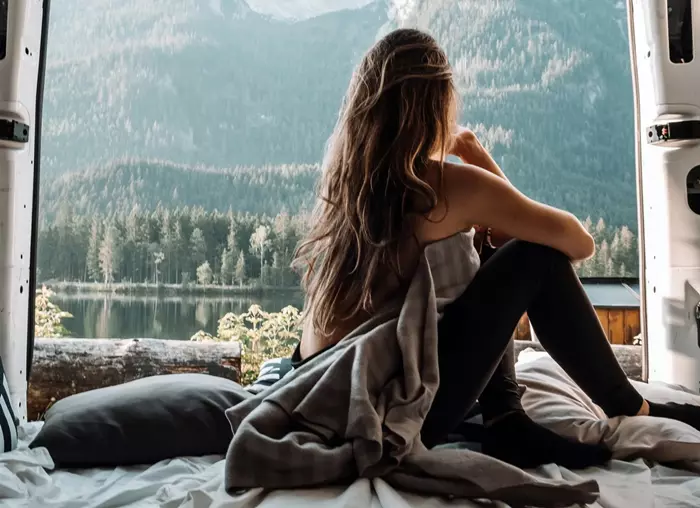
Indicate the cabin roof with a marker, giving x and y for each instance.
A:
(623, 293)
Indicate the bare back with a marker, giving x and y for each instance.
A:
(438, 225)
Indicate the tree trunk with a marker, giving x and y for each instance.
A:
(63, 367)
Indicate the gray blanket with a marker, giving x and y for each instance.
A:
(357, 410)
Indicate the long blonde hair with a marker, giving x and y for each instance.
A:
(397, 113)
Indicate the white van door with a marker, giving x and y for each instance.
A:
(665, 47)
(23, 34)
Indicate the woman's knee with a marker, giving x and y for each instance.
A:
(536, 255)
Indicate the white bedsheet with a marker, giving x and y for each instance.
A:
(27, 479)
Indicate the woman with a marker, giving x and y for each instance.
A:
(387, 191)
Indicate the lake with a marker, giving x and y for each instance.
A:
(112, 316)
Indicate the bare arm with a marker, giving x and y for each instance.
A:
(470, 150)
(479, 197)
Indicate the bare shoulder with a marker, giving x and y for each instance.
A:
(465, 187)
(457, 187)
(464, 178)
(449, 177)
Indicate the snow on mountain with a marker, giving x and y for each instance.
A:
(303, 9)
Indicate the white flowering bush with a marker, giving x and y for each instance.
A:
(262, 335)
(48, 317)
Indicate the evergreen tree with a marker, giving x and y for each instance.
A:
(231, 241)
(110, 254)
(258, 243)
(228, 267)
(198, 246)
(276, 268)
(158, 258)
(602, 260)
(93, 256)
(240, 269)
(167, 244)
(178, 246)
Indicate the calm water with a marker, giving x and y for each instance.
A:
(167, 317)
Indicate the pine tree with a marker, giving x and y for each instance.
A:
(166, 243)
(601, 260)
(228, 267)
(258, 242)
(198, 246)
(65, 248)
(276, 267)
(630, 253)
(110, 254)
(240, 269)
(93, 255)
(131, 246)
(231, 238)
(178, 246)
(600, 228)
(158, 258)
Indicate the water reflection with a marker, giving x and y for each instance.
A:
(178, 318)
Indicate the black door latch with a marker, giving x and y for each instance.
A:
(671, 132)
(12, 130)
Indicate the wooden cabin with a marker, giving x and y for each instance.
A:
(617, 303)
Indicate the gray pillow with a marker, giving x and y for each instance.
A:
(141, 422)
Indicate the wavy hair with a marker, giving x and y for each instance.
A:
(398, 113)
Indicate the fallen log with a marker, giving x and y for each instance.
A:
(63, 367)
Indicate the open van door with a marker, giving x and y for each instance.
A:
(23, 35)
(665, 55)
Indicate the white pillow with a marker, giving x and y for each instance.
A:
(553, 400)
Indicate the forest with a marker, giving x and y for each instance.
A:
(192, 246)
(181, 246)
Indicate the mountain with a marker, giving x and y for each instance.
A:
(302, 9)
(194, 83)
(226, 84)
(117, 188)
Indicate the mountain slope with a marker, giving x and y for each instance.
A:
(303, 9)
(117, 188)
(546, 84)
(181, 81)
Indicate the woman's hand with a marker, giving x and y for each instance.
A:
(466, 146)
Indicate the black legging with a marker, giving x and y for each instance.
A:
(476, 356)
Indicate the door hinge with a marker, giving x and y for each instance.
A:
(673, 132)
(12, 130)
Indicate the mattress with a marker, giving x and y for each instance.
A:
(28, 479)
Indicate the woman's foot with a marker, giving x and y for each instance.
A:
(686, 413)
(518, 440)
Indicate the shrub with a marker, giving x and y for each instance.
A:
(262, 335)
(48, 316)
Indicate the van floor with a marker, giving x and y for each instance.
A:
(27, 477)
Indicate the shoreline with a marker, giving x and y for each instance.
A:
(145, 289)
